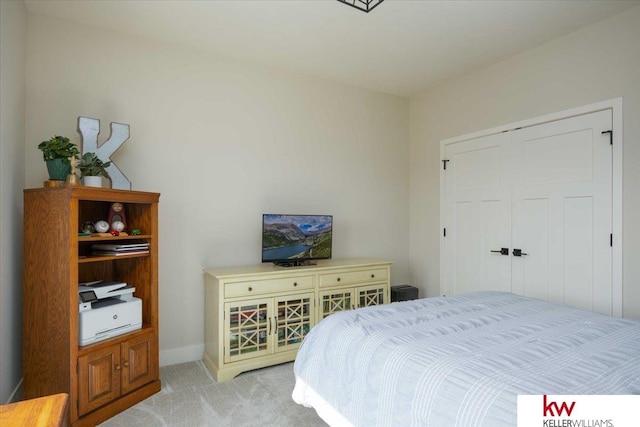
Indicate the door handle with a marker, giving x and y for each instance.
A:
(502, 251)
(518, 252)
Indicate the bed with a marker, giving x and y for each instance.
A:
(460, 361)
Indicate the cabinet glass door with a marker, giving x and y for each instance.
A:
(293, 320)
(370, 295)
(247, 329)
(335, 300)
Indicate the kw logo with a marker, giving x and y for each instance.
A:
(548, 408)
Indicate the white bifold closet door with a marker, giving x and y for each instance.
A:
(530, 211)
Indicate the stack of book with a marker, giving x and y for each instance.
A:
(120, 249)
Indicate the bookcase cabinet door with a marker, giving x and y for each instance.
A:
(139, 362)
(98, 378)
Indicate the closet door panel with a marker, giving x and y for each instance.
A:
(562, 203)
(478, 209)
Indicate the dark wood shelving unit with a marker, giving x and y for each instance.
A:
(104, 378)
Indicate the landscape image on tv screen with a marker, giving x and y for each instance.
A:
(296, 237)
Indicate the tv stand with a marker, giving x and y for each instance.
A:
(258, 315)
(295, 263)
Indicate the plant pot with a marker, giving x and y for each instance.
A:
(58, 169)
(92, 181)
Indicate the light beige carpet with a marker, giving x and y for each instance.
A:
(191, 397)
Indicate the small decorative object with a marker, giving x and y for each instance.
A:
(89, 129)
(117, 225)
(102, 226)
(93, 169)
(114, 232)
(57, 152)
(116, 213)
(136, 232)
(88, 227)
(72, 178)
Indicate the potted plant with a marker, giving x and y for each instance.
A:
(92, 169)
(57, 153)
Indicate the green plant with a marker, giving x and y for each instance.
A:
(91, 165)
(58, 147)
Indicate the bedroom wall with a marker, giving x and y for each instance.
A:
(13, 31)
(223, 142)
(596, 63)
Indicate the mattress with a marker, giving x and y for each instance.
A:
(460, 361)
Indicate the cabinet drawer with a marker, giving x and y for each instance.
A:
(268, 286)
(354, 277)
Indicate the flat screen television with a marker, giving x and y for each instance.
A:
(292, 240)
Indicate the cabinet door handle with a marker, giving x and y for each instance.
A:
(117, 367)
(126, 363)
(295, 284)
(373, 275)
(269, 333)
(338, 279)
(250, 288)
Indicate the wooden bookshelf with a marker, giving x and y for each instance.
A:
(104, 378)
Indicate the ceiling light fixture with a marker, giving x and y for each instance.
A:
(363, 5)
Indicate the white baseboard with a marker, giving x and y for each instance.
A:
(181, 355)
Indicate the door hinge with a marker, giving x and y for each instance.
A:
(444, 232)
(444, 164)
(610, 132)
(611, 239)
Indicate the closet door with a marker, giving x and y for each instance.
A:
(478, 215)
(562, 205)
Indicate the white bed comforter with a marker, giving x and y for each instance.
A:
(460, 361)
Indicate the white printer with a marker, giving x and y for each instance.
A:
(107, 309)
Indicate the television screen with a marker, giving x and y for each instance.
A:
(292, 239)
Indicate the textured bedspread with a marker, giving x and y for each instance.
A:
(460, 361)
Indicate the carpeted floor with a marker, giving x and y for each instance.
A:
(191, 397)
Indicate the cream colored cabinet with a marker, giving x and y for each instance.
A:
(258, 315)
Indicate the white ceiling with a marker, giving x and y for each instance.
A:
(403, 47)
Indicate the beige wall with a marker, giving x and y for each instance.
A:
(13, 28)
(594, 64)
(224, 142)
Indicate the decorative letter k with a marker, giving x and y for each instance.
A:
(89, 129)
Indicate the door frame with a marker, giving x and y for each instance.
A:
(615, 105)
